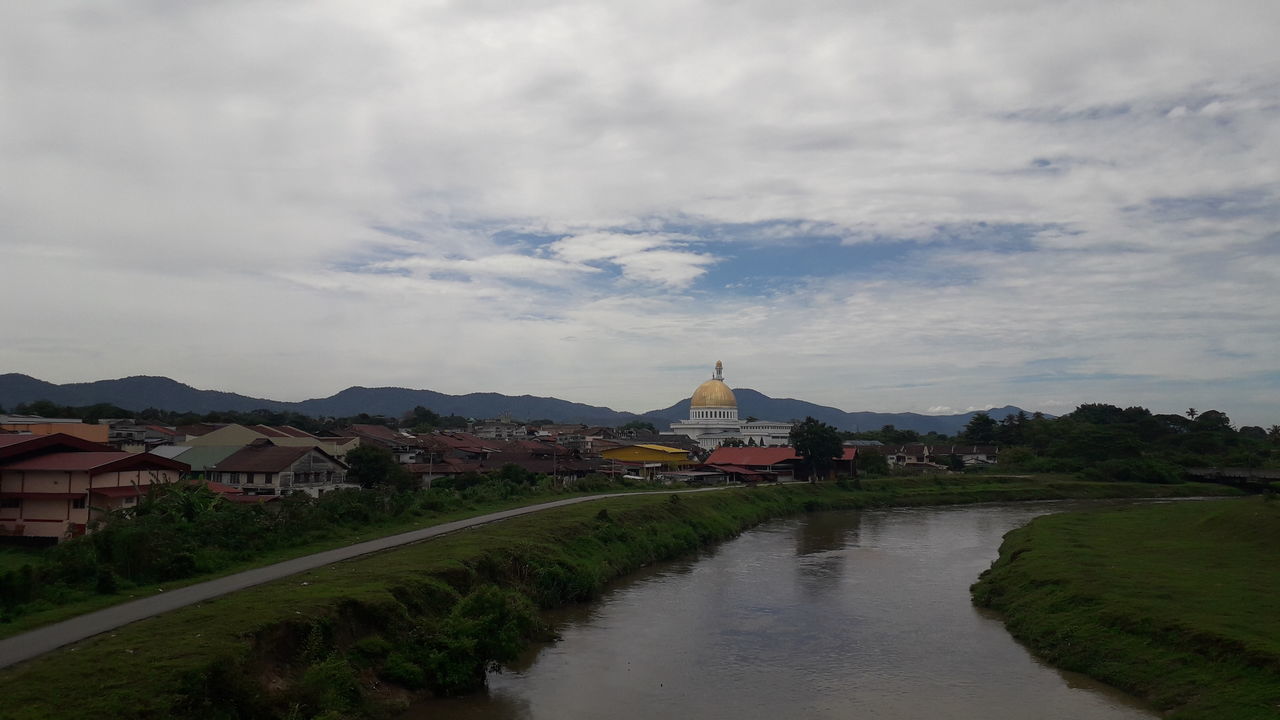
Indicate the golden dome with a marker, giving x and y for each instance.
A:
(713, 393)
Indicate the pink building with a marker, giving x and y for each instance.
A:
(51, 486)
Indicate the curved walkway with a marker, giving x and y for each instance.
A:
(37, 642)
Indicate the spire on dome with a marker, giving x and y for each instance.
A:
(719, 374)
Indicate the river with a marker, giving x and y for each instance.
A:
(827, 615)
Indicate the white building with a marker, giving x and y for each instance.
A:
(713, 418)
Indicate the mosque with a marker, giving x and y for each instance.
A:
(713, 418)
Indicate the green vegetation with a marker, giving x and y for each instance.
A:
(353, 638)
(1176, 603)
(1106, 442)
(179, 534)
(819, 444)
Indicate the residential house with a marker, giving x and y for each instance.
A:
(199, 459)
(753, 463)
(502, 429)
(234, 435)
(918, 456)
(53, 486)
(455, 454)
(404, 445)
(134, 437)
(264, 468)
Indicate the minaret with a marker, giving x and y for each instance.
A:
(719, 371)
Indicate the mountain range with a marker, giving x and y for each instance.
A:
(142, 392)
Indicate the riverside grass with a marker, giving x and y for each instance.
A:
(1176, 603)
(335, 642)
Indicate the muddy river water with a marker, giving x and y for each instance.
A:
(828, 615)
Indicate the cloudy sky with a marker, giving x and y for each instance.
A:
(899, 205)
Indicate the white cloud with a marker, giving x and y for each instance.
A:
(649, 258)
(172, 172)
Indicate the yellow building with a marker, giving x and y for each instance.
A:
(646, 460)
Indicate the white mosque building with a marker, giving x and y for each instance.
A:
(713, 418)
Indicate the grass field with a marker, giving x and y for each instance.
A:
(280, 649)
(1176, 603)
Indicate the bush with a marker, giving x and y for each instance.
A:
(372, 646)
(106, 584)
(1142, 470)
(330, 684)
(402, 671)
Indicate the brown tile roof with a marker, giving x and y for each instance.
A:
(752, 456)
(95, 462)
(264, 458)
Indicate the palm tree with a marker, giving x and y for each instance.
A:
(1191, 413)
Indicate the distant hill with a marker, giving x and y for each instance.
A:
(752, 403)
(142, 392)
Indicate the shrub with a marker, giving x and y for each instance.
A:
(106, 584)
(402, 671)
(1143, 470)
(330, 684)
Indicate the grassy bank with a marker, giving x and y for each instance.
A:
(59, 598)
(1178, 603)
(352, 639)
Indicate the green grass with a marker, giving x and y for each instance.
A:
(1176, 603)
(15, 558)
(84, 602)
(240, 655)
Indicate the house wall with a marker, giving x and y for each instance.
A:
(54, 517)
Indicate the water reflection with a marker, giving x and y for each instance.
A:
(829, 615)
(821, 541)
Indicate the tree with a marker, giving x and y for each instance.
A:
(819, 444)
(1212, 421)
(1191, 413)
(371, 466)
(639, 425)
(981, 430)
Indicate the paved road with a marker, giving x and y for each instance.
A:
(37, 642)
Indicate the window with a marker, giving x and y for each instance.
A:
(77, 504)
(131, 501)
(10, 502)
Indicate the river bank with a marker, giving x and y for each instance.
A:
(1177, 604)
(358, 638)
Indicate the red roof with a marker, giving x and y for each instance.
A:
(162, 430)
(281, 431)
(739, 470)
(16, 445)
(849, 454)
(752, 456)
(96, 462)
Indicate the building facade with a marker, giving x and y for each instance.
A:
(713, 418)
